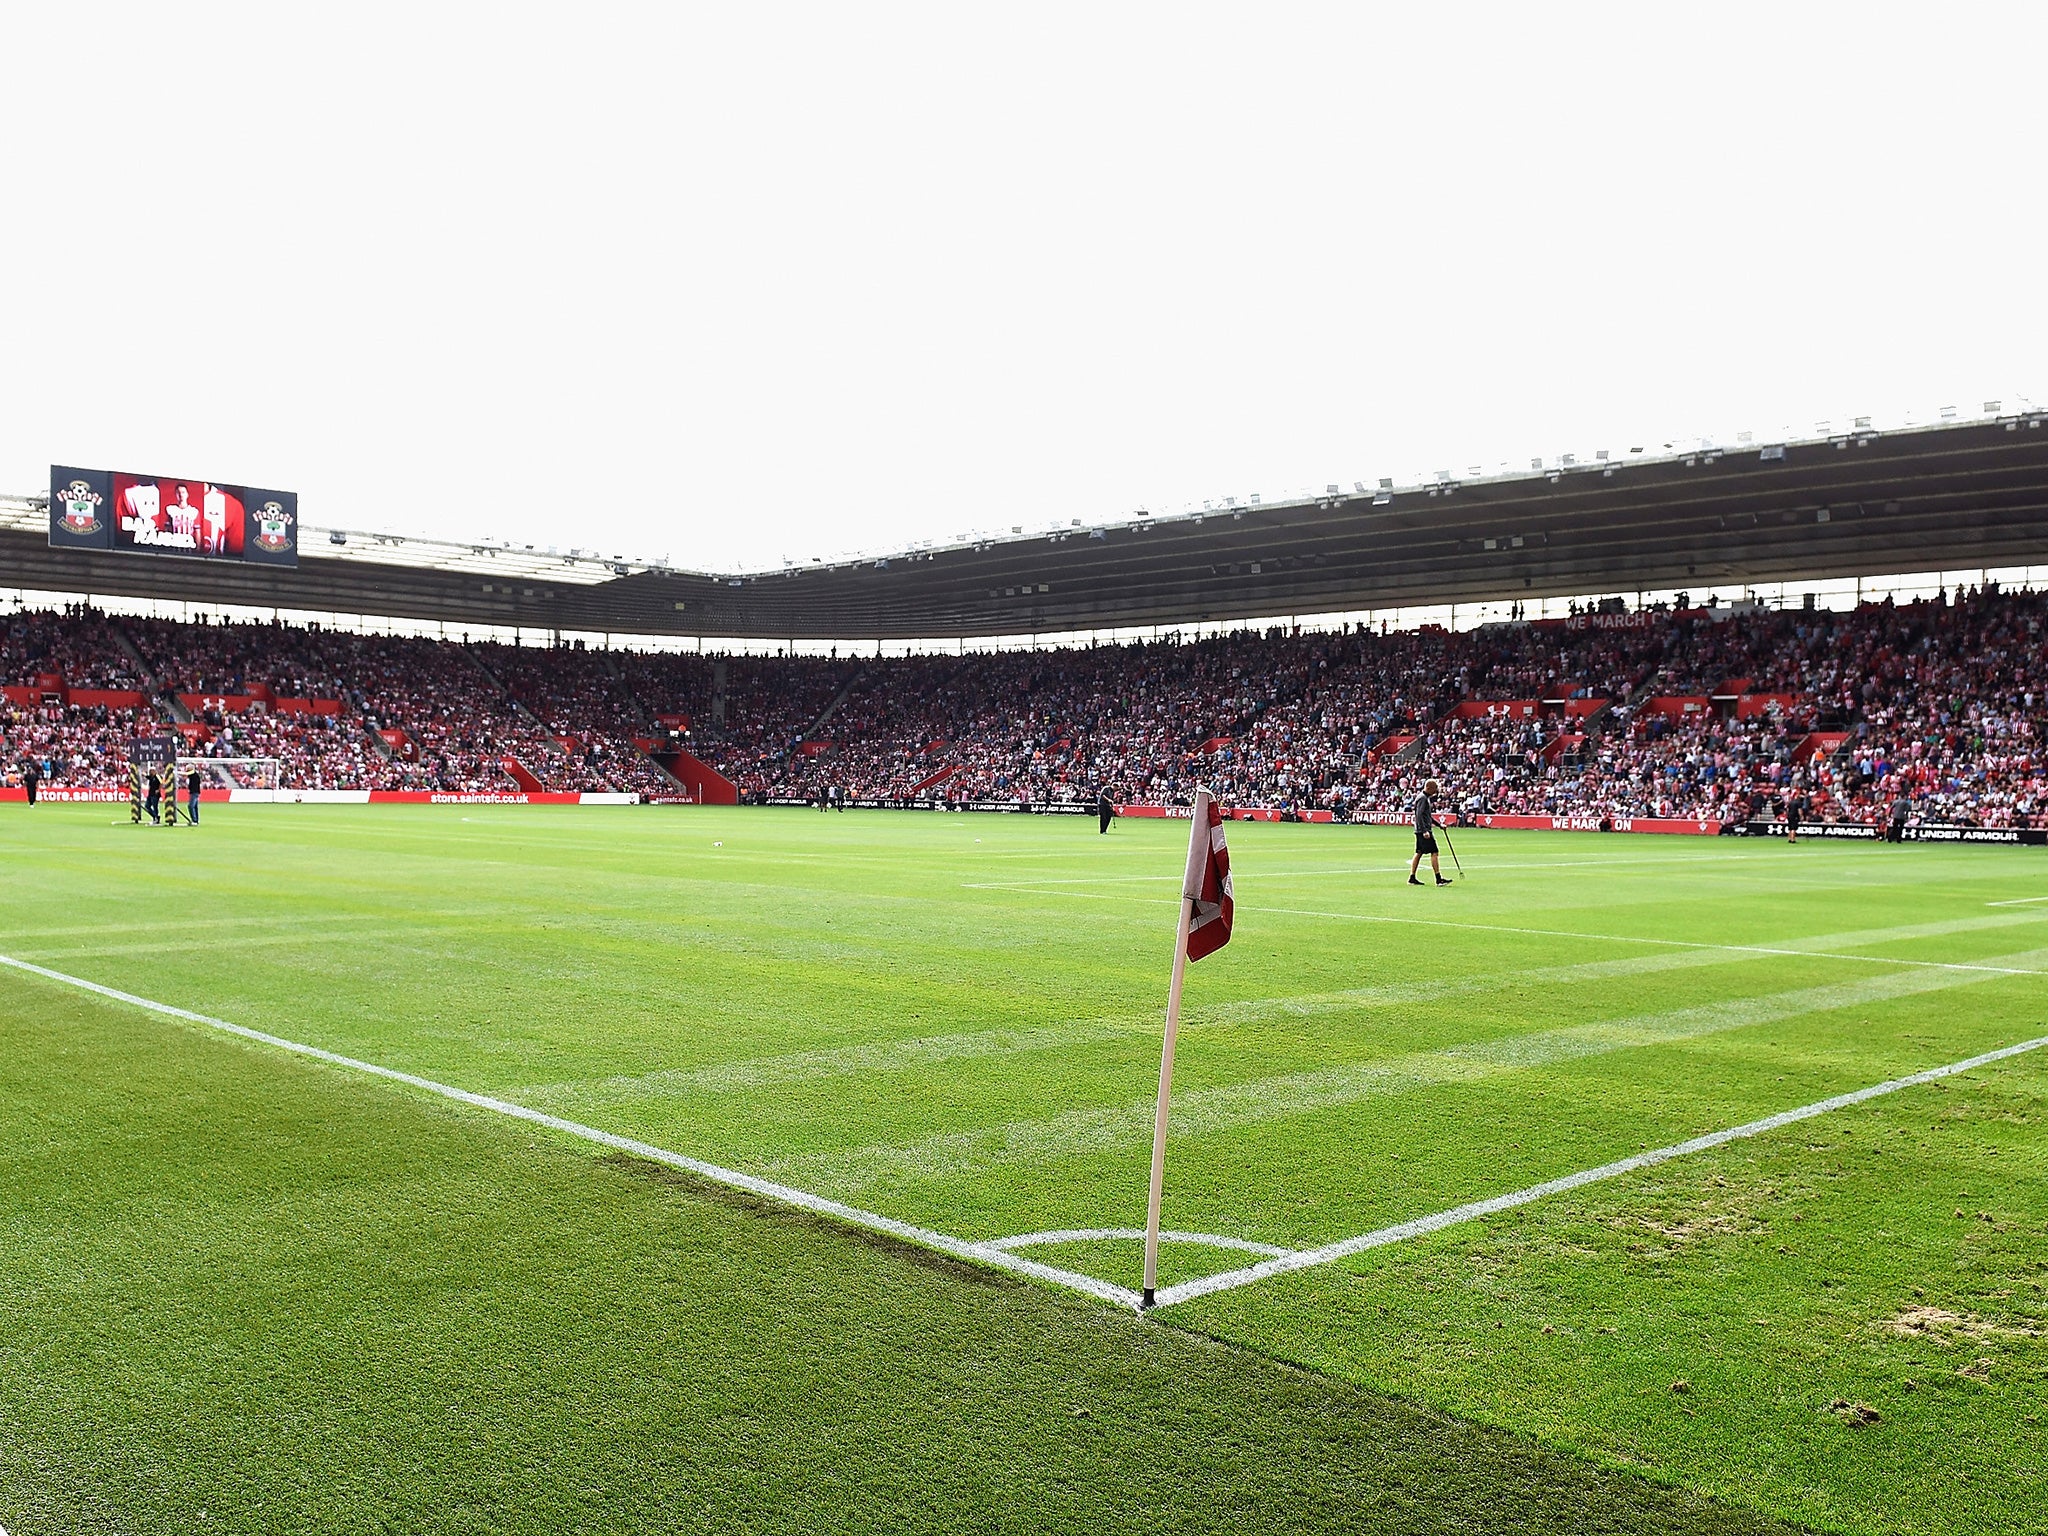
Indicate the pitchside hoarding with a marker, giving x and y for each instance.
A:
(165, 515)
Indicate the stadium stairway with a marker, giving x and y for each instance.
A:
(702, 781)
(933, 781)
(832, 709)
(152, 684)
(521, 775)
(644, 717)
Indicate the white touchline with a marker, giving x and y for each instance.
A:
(781, 1194)
(1422, 1225)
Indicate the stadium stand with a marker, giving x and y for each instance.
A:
(1702, 714)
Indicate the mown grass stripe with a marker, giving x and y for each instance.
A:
(1258, 1101)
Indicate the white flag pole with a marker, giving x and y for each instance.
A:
(1190, 890)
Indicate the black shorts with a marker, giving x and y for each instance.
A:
(1425, 842)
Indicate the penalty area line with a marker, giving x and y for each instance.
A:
(1458, 1215)
(781, 1194)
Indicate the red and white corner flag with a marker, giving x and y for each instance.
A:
(1208, 883)
(1206, 910)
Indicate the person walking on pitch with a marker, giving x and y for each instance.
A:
(1425, 833)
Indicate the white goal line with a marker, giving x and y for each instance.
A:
(1329, 1254)
(997, 1253)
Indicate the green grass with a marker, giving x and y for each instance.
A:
(298, 1298)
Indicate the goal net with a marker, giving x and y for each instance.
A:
(258, 774)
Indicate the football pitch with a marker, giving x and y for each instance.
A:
(821, 1214)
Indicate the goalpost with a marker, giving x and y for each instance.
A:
(252, 778)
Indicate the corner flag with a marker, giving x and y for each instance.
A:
(1206, 910)
(1208, 885)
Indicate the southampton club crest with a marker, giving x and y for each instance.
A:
(81, 505)
(273, 528)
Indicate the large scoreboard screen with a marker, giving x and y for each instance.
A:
(166, 515)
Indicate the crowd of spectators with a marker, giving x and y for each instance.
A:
(77, 645)
(79, 748)
(1692, 714)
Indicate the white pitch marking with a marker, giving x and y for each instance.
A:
(995, 1254)
(2017, 901)
(1457, 1215)
(1137, 1234)
(782, 1194)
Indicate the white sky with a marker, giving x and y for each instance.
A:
(738, 283)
